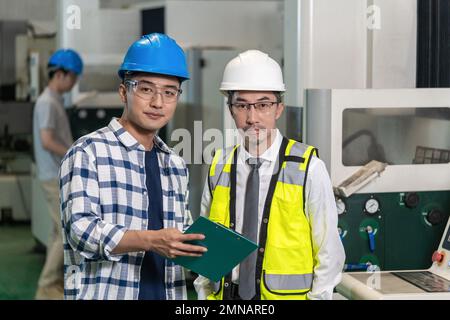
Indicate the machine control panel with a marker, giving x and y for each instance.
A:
(341, 206)
(372, 206)
(438, 257)
(435, 217)
(395, 231)
(412, 199)
(425, 280)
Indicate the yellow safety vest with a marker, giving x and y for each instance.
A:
(284, 267)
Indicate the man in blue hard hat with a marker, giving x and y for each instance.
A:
(124, 193)
(52, 138)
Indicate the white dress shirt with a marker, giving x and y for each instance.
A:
(320, 209)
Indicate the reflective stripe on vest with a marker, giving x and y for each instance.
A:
(220, 182)
(288, 281)
(285, 267)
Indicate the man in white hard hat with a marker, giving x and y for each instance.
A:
(273, 190)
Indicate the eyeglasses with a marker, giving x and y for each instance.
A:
(147, 91)
(260, 107)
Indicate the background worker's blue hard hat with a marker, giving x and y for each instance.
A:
(155, 53)
(66, 59)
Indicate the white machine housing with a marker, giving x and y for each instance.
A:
(324, 130)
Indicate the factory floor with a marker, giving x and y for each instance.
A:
(21, 263)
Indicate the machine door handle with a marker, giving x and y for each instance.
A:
(341, 233)
(371, 235)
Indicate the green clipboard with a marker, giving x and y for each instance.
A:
(226, 249)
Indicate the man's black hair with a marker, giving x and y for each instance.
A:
(52, 69)
(277, 94)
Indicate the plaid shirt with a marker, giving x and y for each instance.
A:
(104, 194)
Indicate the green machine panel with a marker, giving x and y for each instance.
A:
(395, 231)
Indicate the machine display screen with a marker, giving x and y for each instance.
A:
(446, 244)
(425, 280)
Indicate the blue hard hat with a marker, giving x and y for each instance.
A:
(66, 59)
(155, 53)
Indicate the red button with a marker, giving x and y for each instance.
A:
(437, 257)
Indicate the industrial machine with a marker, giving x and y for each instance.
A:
(387, 152)
(15, 161)
(94, 111)
(24, 52)
(31, 58)
(8, 32)
(432, 283)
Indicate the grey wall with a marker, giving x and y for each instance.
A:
(28, 10)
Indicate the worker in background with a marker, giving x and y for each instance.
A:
(124, 193)
(52, 138)
(273, 190)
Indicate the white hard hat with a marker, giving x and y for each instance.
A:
(252, 70)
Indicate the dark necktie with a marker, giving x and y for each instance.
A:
(250, 230)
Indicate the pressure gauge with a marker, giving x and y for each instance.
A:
(340, 205)
(372, 206)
